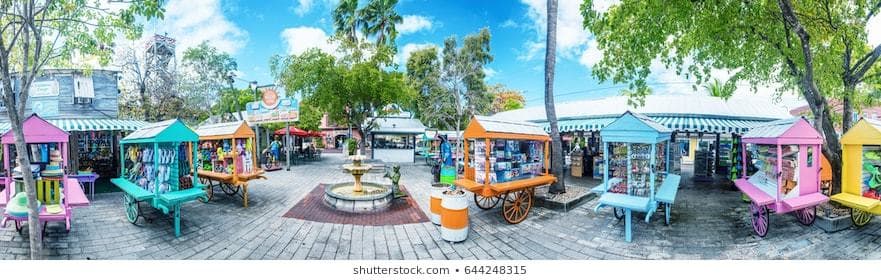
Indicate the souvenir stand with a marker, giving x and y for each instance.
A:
(157, 169)
(227, 158)
(636, 161)
(787, 156)
(861, 171)
(505, 161)
(57, 194)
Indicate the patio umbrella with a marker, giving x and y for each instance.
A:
(294, 131)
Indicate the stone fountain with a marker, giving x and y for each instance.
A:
(357, 197)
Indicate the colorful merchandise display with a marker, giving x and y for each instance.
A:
(227, 158)
(56, 194)
(787, 156)
(861, 171)
(158, 169)
(505, 161)
(637, 174)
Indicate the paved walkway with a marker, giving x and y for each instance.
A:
(709, 222)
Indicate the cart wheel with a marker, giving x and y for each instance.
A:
(229, 189)
(760, 217)
(806, 216)
(859, 217)
(486, 203)
(131, 208)
(209, 193)
(516, 206)
(619, 213)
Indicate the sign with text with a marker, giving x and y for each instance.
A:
(45, 108)
(273, 108)
(44, 89)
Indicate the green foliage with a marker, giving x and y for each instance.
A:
(310, 117)
(353, 90)
(346, 21)
(379, 19)
(505, 99)
(232, 101)
(434, 105)
(351, 145)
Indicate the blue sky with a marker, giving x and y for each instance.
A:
(253, 31)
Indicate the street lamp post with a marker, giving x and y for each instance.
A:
(253, 86)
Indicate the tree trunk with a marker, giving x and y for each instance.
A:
(145, 102)
(34, 231)
(847, 108)
(557, 157)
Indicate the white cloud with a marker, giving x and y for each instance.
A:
(413, 24)
(508, 24)
(299, 39)
(572, 37)
(402, 56)
(490, 73)
(303, 7)
(592, 55)
(873, 30)
(191, 22)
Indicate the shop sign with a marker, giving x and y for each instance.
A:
(273, 108)
(44, 89)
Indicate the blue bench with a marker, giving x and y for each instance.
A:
(169, 202)
(138, 193)
(666, 194)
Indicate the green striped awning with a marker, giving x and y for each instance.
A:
(676, 123)
(90, 124)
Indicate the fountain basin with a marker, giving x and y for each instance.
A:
(373, 197)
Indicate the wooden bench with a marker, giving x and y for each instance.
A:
(666, 194)
(758, 196)
(805, 201)
(856, 201)
(629, 204)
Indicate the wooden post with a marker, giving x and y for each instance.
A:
(547, 157)
(487, 181)
(629, 176)
(779, 170)
(652, 172)
(606, 166)
(465, 152)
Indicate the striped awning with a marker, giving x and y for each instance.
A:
(678, 124)
(90, 125)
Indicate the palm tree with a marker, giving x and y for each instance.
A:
(550, 63)
(380, 18)
(346, 20)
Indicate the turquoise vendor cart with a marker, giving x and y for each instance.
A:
(158, 170)
(636, 178)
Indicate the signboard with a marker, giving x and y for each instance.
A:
(45, 108)
(273, 108)
(44, 89)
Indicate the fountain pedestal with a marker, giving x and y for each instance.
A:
(357, 197)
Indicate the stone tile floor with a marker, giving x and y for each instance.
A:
(709, 222)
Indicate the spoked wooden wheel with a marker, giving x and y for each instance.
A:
(516, 206)
(806, 216)
(209, 190)
(860, 217)
(760, 218)
(486, 202)
(619, 213)
(229, 189)
(131, 208)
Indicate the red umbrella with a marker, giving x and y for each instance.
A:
(317, 133)
(294, 131)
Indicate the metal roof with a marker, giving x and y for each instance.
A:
(492, 124)
(774, 129)
(89, 124)
(228, 128)
(657, 105)
(398, 126)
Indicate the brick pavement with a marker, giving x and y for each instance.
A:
(709, 222)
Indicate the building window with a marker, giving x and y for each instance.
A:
(385, 141)
(83, 91)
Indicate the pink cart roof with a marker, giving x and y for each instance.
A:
(38, 130)
(788, 131)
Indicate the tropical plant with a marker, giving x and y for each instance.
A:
(380, 19)
(505, 99)
(816, 48)
(550, 64)
(346, 20)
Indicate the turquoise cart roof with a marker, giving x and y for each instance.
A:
(635, 128)
(172, 130)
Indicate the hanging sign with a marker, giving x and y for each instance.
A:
(44, 89)
(273, 108)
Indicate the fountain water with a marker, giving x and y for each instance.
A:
(356, 196)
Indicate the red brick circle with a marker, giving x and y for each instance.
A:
(401, 211)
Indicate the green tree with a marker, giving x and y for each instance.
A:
(351, 90)
(38, 32)
(818, 48)
(550, 64)
(434, 105)
(379, 19)
(473, 57)
(346, 20)
(232, 101)
(205, 72)
(505, 99)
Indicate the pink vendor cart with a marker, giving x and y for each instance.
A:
(48, 149)
(786, 154)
